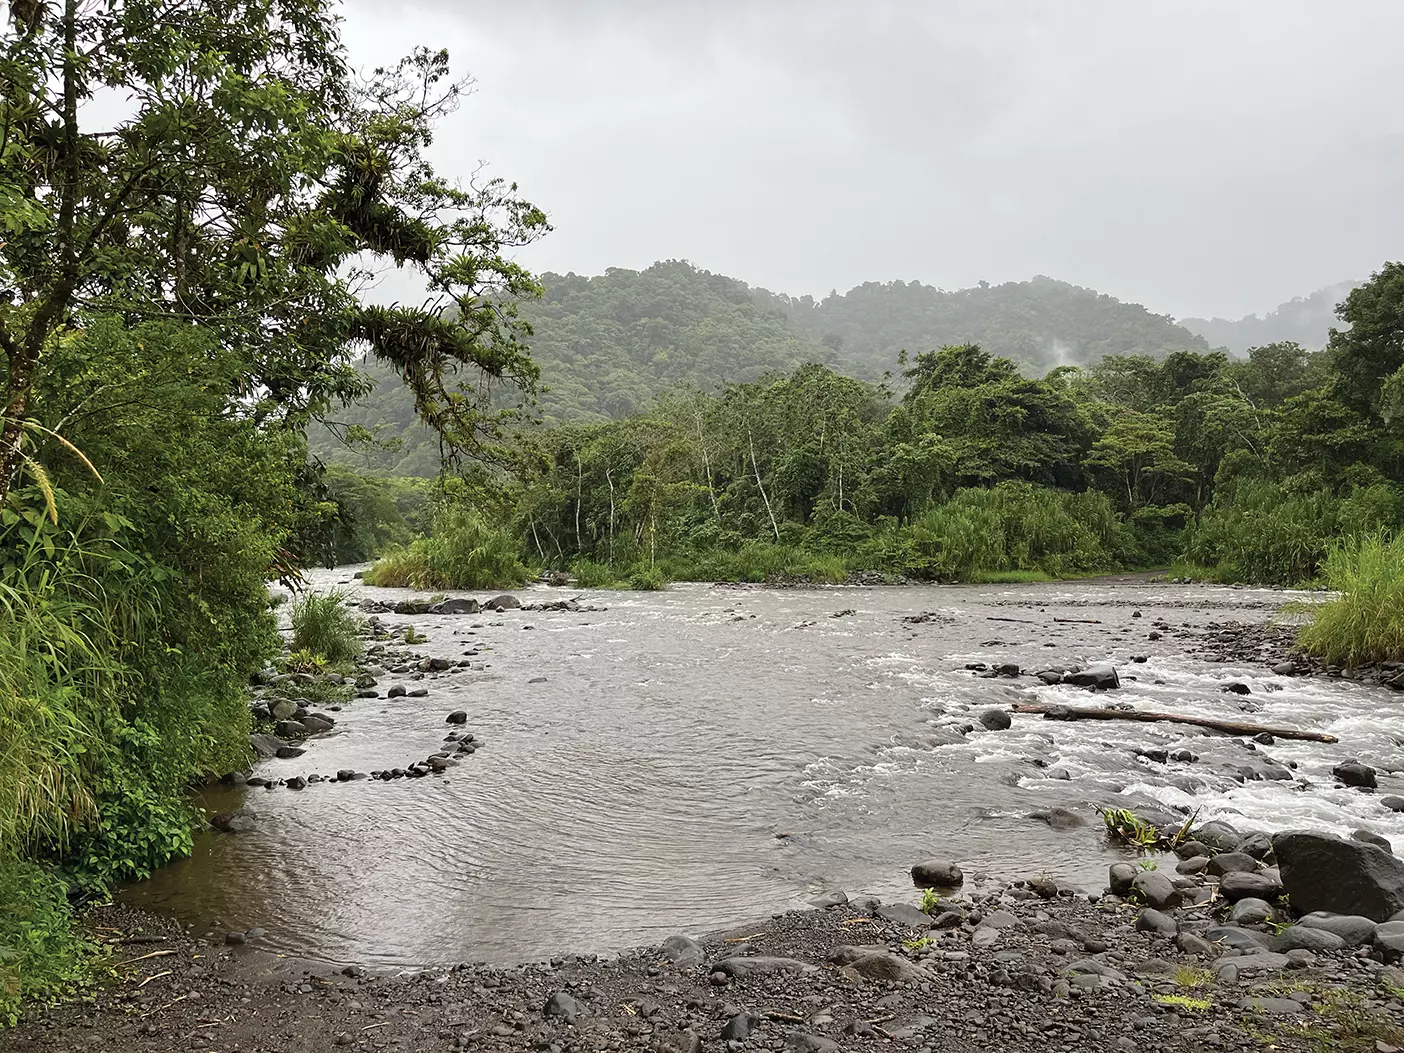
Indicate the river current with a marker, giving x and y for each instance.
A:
(687, 759)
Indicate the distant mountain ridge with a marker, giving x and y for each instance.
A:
(1305, 320)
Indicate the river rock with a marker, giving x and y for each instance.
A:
(937, 873)
(1230, 862)
(904, 914)
(1254, 964)
(1218, 835)
(1120, 876)
(1353, 773)
(1192, 865)
(1353, 929)
(281, 708)
(682, 951)
(1394, 804)
(1190, 849)
(1238, 885)
(563, 1005)
(1301, 937)
(289, 752)
(458, 716)
(1100, 677)
(829, 899)
(996, 720)
(317, 722)
(1155, 890)
(883, 965)
(290, 729)
(1389, 941)
(455, 606)
(238, 822)
(1257, 845)
(761, 966)
(1251, 911)
(1324, 873)
(1153, 921)
(1060, 818)
(1369, 837)
(804, 1042)
(264, 745)
(397, 691)
(738, 1028)
(1246, 940)
(505, 602)
(297, 782)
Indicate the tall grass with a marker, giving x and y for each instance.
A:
(1271, 534)
(323, 625)
(464, 552)
(1366, 624)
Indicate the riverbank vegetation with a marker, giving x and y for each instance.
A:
(182, 295)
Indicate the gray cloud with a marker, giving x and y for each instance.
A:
(1199, 157)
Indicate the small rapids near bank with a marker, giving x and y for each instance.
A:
(686, 759)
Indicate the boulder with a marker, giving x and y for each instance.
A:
(738, 1028)
(281, 708)
(1324, 873)
(290, 729)
(317, 722)
(263, 745)
(1353, 929)
(1192, 865)
(1238, 885)
(829, 899)
(1190, 849)
(397, 691)
(1100, 677)
(1254, 963)
(883, 965)
(762, 966)
(1155, 890)
(505, 602)
(1251, 911)
(996, 719)
(1394, 804)
(297, 782)
(937, 873)
(1257, 845)
(1353, 773)
(457, 717)
(289, 752)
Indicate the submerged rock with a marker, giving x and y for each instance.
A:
(1353, 773)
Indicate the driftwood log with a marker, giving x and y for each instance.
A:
(1232, 727)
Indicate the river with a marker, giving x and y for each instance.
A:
(706, 754)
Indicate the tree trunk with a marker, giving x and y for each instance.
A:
(761, 486)
(1232, 727)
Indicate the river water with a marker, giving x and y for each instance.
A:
(705, 755)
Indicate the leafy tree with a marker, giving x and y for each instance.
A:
(1137, 453)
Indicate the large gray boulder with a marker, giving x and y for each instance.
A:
(505, 602)
(1100, 677)
(937, 873)
(1324, 873)
(1155, 890)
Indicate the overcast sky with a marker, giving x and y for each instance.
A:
(1202, 158)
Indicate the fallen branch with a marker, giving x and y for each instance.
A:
(1232, 727)
(1021, 621)
(143, 957)
(1077, 621)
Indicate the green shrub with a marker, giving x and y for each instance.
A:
(41, 956)
(648, 579)
(1366, 623)
(590, 575)
(323, 625)
(464, 552)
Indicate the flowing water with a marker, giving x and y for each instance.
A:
(705, 755)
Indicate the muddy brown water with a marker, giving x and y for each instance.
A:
(706, 754)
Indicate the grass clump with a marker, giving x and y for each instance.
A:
(648, 579)
(323, 626)
(41, 956)
(1366, 624)
(464, 552)
(1189, 1003)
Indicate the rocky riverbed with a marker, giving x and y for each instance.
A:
(1200, 955)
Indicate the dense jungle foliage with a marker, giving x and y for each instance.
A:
(608, 345)
(178, 300)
